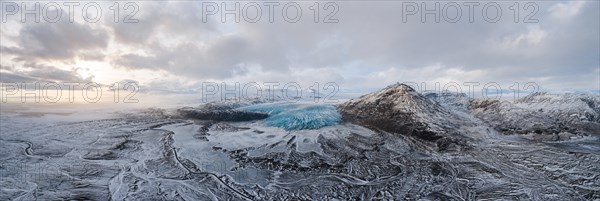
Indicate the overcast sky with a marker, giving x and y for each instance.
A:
(370, 47)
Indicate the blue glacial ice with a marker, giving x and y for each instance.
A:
(297, 116)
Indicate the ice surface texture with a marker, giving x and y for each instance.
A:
(166, 155)
(297, 116)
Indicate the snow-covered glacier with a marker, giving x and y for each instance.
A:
(392, 144)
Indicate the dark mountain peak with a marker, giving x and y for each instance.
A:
(399, 98)
(400, 109)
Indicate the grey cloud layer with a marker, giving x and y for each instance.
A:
(58, 41)
(369, 39)
(41, 73)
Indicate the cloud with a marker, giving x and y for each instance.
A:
(41, 73)
(161, 21)
(370, 46)
(59, 41)
(533, 37)
(566, 10)
(222, 58)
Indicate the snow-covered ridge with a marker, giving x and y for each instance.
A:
(542, 113)
(430, 116)
(433, 116)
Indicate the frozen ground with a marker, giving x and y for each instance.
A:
(156, 154)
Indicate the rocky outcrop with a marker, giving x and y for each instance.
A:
(400, 109)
